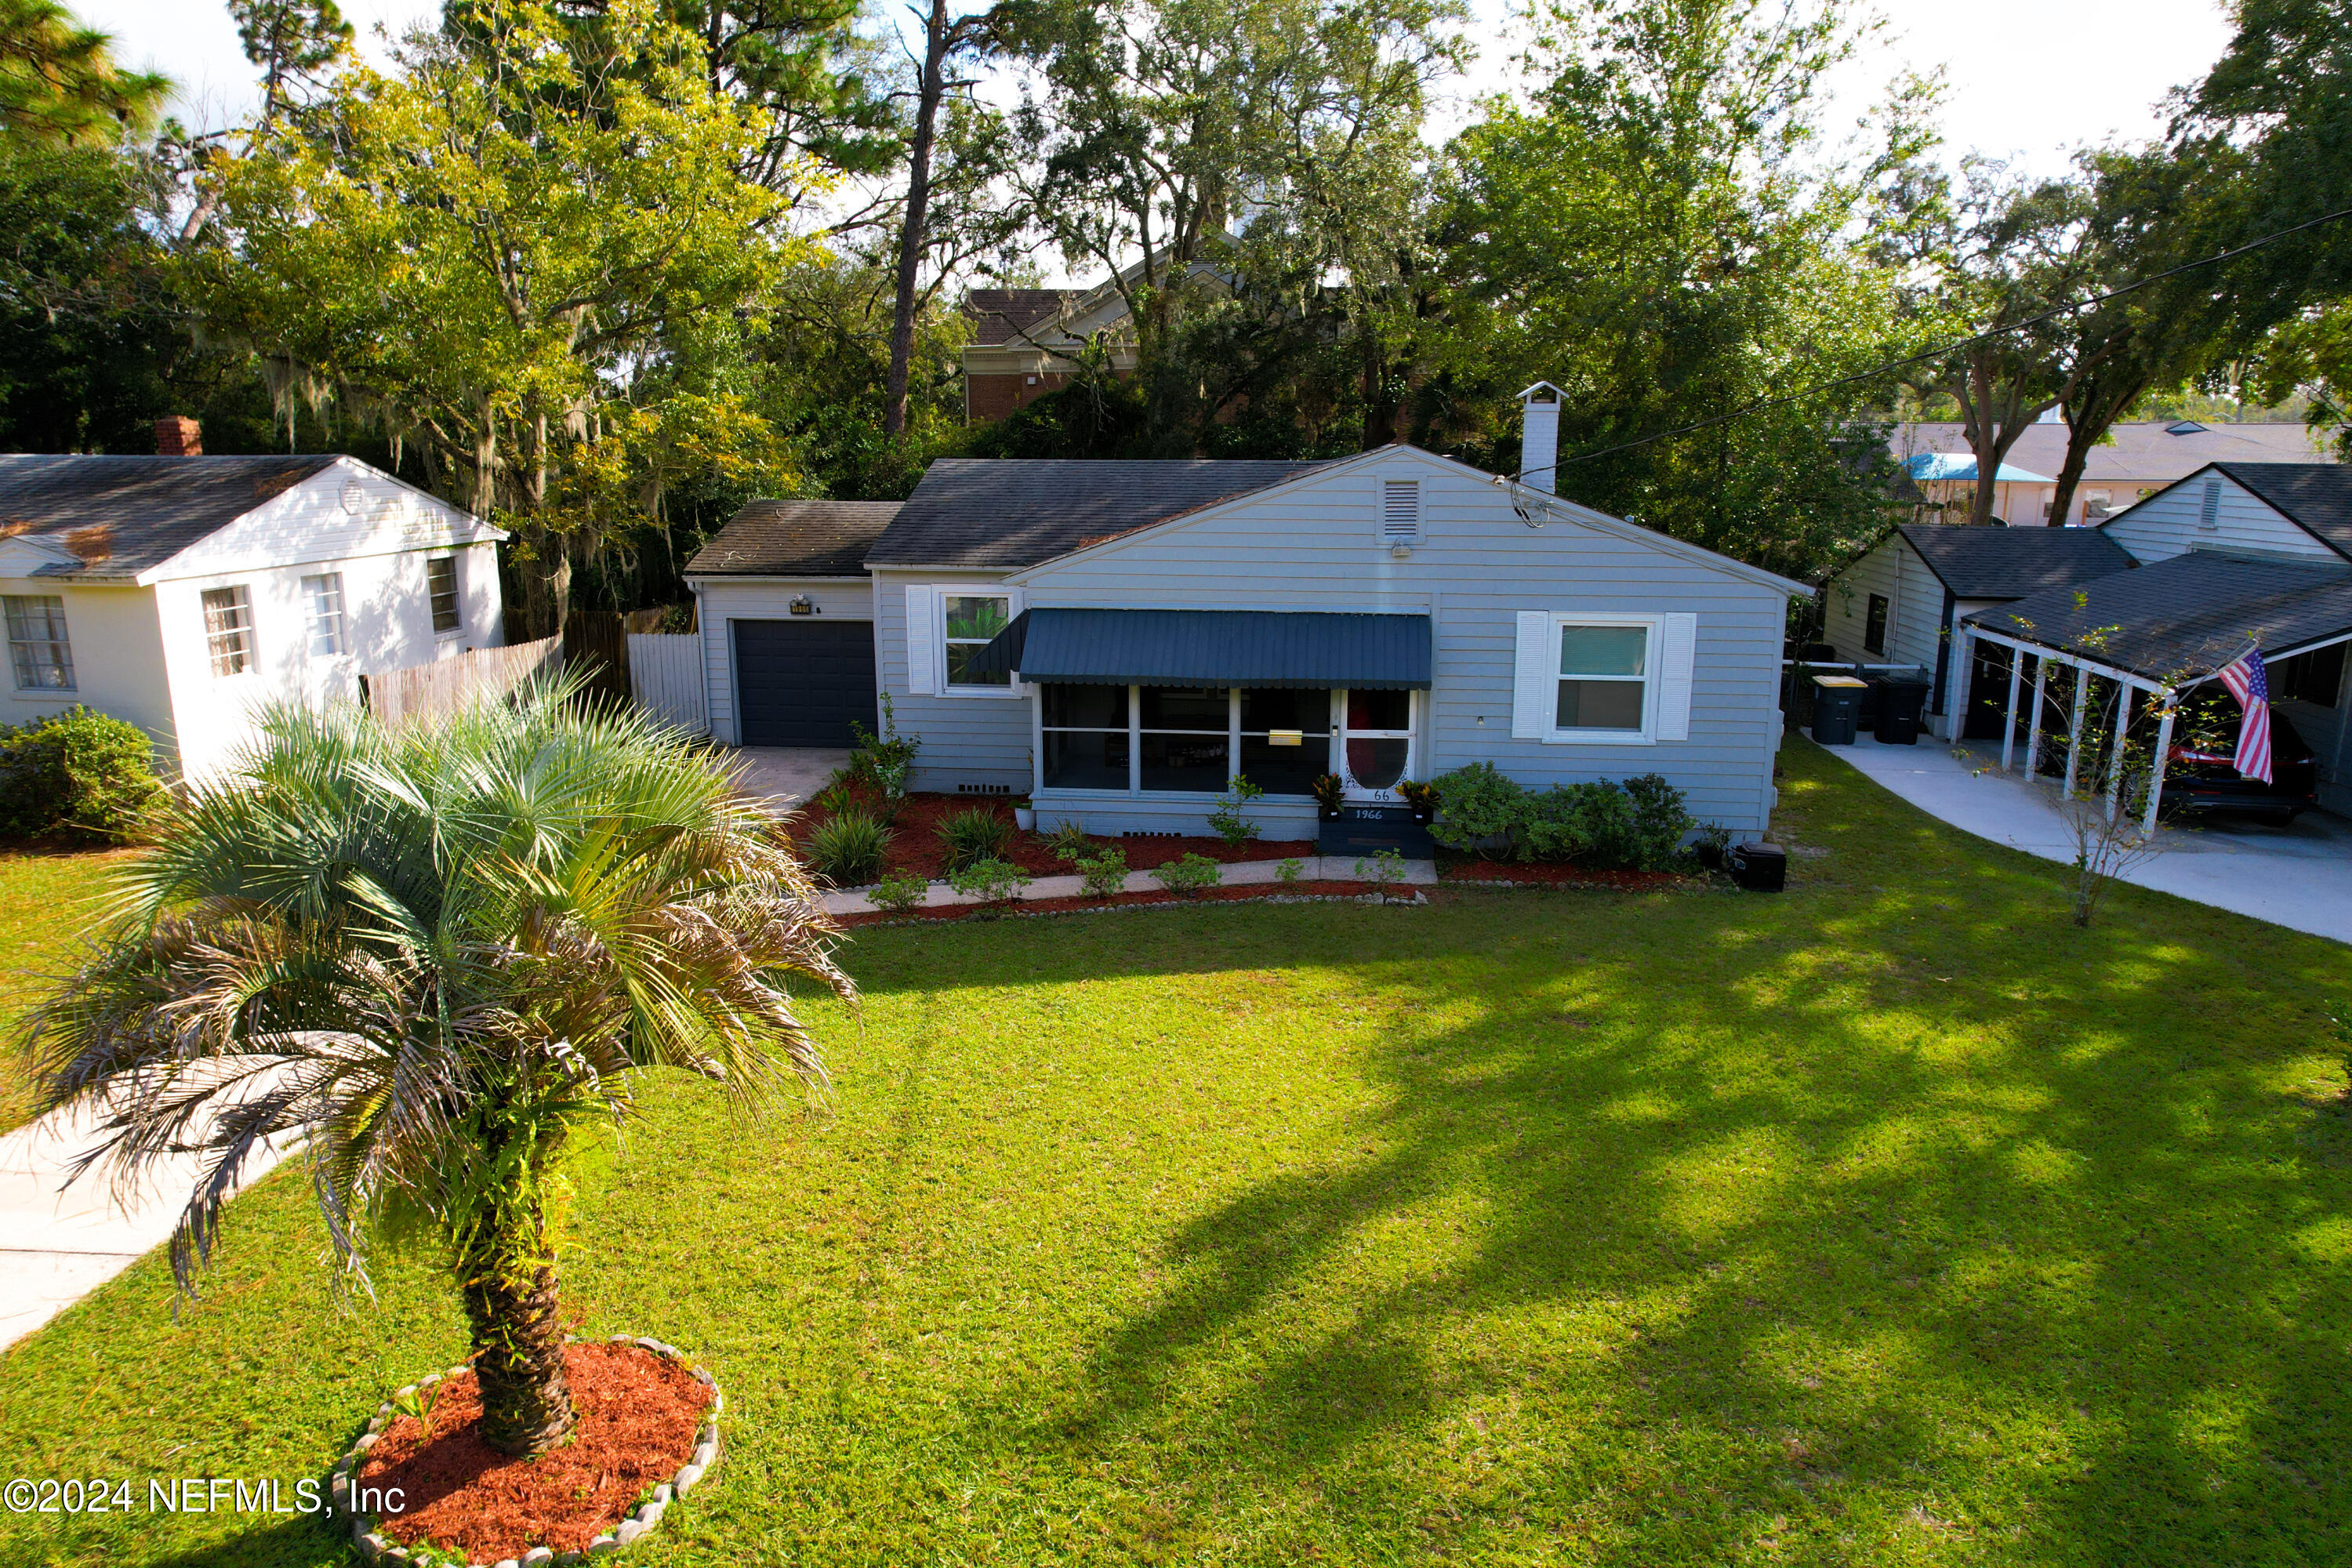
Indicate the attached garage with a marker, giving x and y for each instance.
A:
(787, 615)
(804, 682)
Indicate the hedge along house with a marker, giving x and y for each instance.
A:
(1120, 640)
(182, 593)
(2235, 556)
(1901, 602)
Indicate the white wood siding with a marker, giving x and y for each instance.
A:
(721, 599)
(2168, 525)
(344, 512)
(1914, 607)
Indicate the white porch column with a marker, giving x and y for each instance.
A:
(1956, 693)
(2123, 729)
(2034, 725)
(2009, 719)
(2163, 750)
(2074, 726)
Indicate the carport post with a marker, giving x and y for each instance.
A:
(2075, 725)
(2034, 727)
(2123, 728)
(2163, 752)
(2008, 720)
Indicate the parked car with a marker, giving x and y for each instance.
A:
(2202, 776)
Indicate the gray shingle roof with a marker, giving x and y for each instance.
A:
(2318, 496)
(795, 539)
(2185, 615)
(1016, 512)
(1004, 315)
(122, 515)
(2012, 563)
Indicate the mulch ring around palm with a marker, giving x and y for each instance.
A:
(638, 1417)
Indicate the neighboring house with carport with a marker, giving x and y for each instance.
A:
(2137, 459)
(1119, 639)
(181, 593)
(2236, 555)
(1900, 602)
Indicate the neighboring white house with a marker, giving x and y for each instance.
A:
(2139, 459)
(182, 593)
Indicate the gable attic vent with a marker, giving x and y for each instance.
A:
(1400, 511)
(2209, 513)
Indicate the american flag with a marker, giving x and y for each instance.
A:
(2252, 687)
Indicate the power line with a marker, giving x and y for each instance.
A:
(1936, 354)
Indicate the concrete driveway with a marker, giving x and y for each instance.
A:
(2298, 876)
(785, 776)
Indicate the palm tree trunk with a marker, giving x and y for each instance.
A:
(510, 1306)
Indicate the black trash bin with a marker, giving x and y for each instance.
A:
(1759, 868)
(1837, 706)
(1902, 699)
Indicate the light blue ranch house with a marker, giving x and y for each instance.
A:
(1119, 640)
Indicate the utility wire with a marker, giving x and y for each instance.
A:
(1937, 353)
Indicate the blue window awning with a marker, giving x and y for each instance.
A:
(1212, 647)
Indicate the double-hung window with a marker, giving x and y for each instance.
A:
(1605, 679)
(1873, 628)
(441, 581)
(228, 630)
(324, 596)
(973, 621)
(38, 649)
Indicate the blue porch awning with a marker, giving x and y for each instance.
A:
(1212, 647)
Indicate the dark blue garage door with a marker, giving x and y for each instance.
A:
(800, 683)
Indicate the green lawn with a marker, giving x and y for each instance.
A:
(46, 903)
(1889, 1221)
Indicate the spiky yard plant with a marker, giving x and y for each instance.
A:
(431, 954)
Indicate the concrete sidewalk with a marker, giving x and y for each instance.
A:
(2299, 875)
(59, 1243)
(1245, 873)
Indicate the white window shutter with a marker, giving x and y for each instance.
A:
(1674, 676)
(1535, 693)
(923, 635)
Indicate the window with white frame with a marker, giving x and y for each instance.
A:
(1604, 678)
(38, 649)
(228, 629)
(973, 621)
(324, 596)
(441, 581)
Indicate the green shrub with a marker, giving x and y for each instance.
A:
(973, 834)
(1479, 805)
(1591, 824)
(884, 763)
(848, 850)
(898, 890)
(1290, 871)
(1188, 876)
(1384, 871)
(1069, 843)
(77, 772)
(1106, 873)
(1227, 819)
(989, 882)
(1660, 820)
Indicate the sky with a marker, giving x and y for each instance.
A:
(2030, 80)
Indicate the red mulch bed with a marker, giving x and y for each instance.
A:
(638, 1417)
(1540, 875)
(916, 848)
(1053, 906)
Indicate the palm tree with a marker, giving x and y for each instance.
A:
(430, 954)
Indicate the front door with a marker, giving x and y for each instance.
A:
(1376, 743)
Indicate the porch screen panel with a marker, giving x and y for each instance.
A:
(1187, 738)
(1284, 769)
(1085, 736)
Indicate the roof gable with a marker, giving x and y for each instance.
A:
(2012, 563)
(2314, 497)
(120, 516)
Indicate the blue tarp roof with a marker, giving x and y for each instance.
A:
(1963, 466)
(1212, 647)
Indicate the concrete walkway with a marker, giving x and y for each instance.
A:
(57, 1243)
(2299, 877)
(1245, 873)
(785, 776)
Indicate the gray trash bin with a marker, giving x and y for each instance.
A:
(1837, 708)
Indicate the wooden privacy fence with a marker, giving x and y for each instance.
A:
(666, 678)
(449, 684)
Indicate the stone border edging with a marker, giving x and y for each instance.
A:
(373, 1546)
